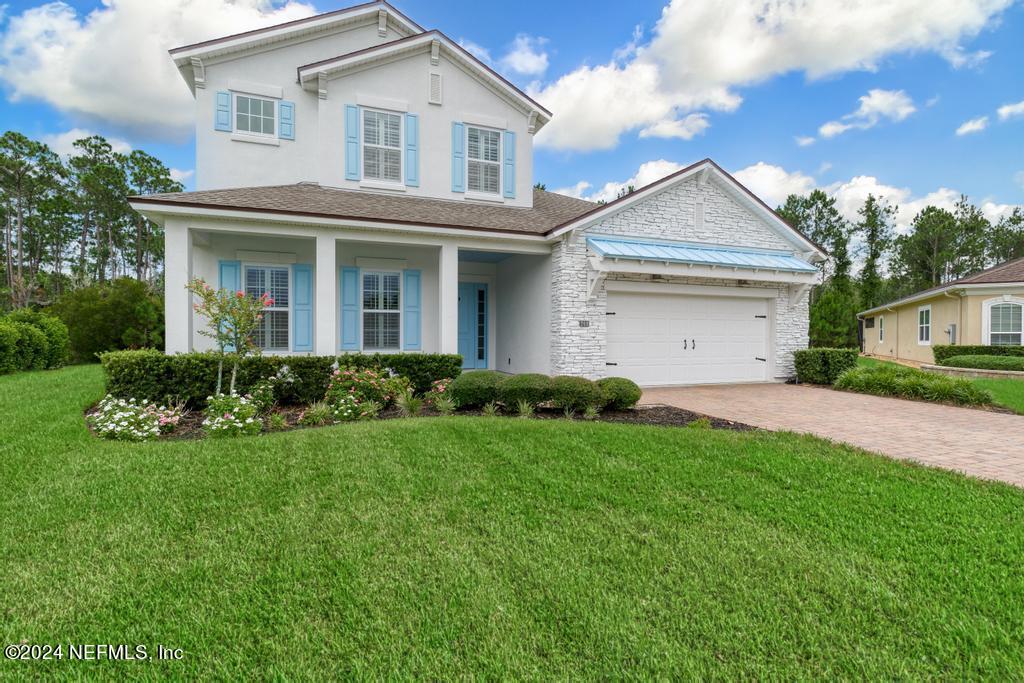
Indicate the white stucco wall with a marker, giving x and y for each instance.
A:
(524, 314)
(668, 215)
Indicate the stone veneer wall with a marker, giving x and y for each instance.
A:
(577, 350)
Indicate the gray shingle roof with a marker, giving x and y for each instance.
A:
(306, 199)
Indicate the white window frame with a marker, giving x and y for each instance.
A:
(362, 310)
(921, 326)
(400, 183)
(483, 194)
(881, 329)
(986, 315)
(291, 300)
(234, 115)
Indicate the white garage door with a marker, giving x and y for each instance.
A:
(675, 339)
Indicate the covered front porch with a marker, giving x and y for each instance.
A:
(343, 291)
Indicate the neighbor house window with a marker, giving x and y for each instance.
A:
(382, 146)
(483, 160)
(881, 328)
(924, 325)
(272, 333)
(1005, 324)
(382, 317)
(254, 115)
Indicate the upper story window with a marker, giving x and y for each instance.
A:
(382, 146)
(272, 333)
(1005, 324)
(255, 115)
(483, 159)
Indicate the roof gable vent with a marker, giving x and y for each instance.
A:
(435, 88)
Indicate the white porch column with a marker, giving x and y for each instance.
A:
(325, 307)
(448, 298)
(177, 301)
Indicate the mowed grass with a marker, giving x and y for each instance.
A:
(1008, 393)
(496, 548)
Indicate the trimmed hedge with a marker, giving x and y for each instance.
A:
(904, 382)
(476, 388)
(31, 348)
(619, 393)
(986, 362)
(9, 335)
(576, 393)
(152, 375)
(823, 365)
(56, 332)
(530, 387)
(945, 351)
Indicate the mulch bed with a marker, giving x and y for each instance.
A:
(191, 424)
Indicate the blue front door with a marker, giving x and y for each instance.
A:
(473, 325)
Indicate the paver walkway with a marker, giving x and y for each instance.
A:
(976, 442)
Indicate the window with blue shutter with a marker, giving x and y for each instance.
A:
(458, 157)
(222, 111)
(350, 309)
(302, 307)
(286, 112)
(412, 150)
(411, 311)
(351, 142)
(229, 274)
(509, 170)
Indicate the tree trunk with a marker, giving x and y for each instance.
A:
(139, 228)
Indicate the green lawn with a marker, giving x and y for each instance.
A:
(497, 547)
(1008, 393)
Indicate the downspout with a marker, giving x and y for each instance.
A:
(897, 314)
(959, 313)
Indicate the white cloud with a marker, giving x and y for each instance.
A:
(478, 51)
(825, 167)
(932, 101)
(526, 56)
(894, 105)
(961, 59)
(973, 126)
(702, 50)
(112, 65)
(1008, 111)
(773, 183)
(804, 140)
(578, 190)
(648, 172)
(685, 128)
(182, 176)
(63, 143)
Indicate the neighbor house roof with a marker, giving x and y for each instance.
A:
(312, 200)
(1008, 273)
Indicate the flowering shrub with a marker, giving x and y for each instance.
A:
(439, 389)
(364, 385)
(262, 396)
(347, 408)
(231, 415)
(132, 420)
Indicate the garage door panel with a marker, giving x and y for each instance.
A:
(723, 337)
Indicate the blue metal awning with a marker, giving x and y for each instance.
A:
(696, 254)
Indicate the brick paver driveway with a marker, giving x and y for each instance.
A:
(976, 442)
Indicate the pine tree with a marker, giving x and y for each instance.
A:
(875, 229)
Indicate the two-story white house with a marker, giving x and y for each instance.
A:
(377, 180)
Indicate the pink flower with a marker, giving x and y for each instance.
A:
(227, 416)
(240, 294)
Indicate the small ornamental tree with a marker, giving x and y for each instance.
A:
(232, 318)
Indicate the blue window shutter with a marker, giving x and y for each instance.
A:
(458, 157)
(411, 311)
(412, 150)
(302, 307)
(509, 171)
(286, 112)
(350, 309)
(229, 278)
(222, 114)
(351, 142)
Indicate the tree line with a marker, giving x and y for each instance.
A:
(940, 246)
(67, 222)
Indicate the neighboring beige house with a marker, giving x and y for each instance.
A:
(982, 309)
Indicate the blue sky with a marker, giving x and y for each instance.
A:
(722, 88)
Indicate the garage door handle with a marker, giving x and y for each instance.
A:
(693, 344)
(611, 363)
(763, 360)
(684, 345)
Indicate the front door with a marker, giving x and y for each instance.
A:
(473, 325)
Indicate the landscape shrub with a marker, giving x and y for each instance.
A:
(942, 352)
(123, 314)
(823, 365)
(904, 382)
(985, 362)
(619, 393)
(531, 387)
(299, 380)
(55, 331)
(576, 393)
(421, 369)
(230, 415)
(9, 336)
(477, 388)
(365, 384)
(132, 420)
(30, 348)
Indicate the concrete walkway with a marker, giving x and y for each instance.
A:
(976, 442)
